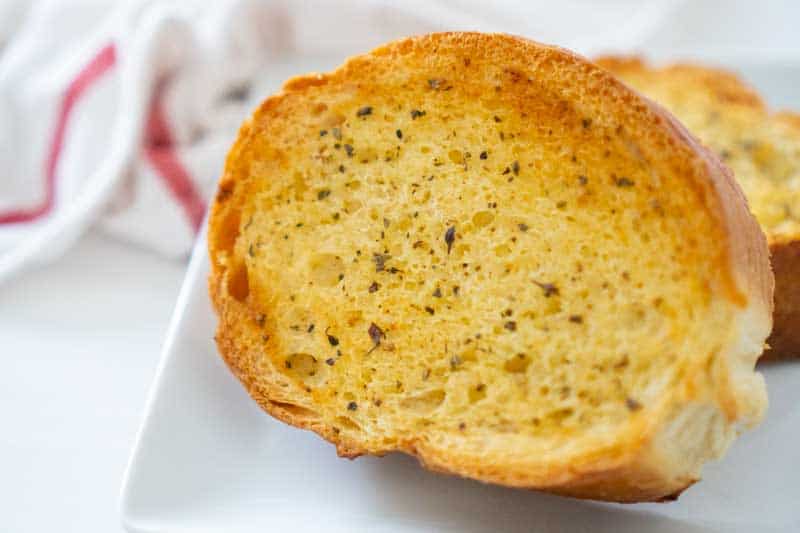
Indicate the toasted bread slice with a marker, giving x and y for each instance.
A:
(492, 255)
(763, 150)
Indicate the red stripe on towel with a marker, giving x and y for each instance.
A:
(159, 147)
(99, 64)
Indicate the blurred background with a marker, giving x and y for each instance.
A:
(115, 118)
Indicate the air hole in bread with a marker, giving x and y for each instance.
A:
(305, 368)
(332, 119)
(326, 269)
(477, 393)
(238, 282)
(424, 403)
(456, 157)
(295, 410)
(228, 231)
(560, 415)
(352, 206)
(482, 218)
(345, 422)
(502, 250)
(469, 355)
(517, 364)
(300, 186)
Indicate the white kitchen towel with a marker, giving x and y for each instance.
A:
(120, 114)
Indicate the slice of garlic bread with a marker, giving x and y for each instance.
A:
(763, 150)
(491, 254)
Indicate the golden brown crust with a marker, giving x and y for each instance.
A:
(785, 339)
(635, 473)
(746, 241)
(729, 89)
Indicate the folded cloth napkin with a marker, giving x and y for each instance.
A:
(120, 114)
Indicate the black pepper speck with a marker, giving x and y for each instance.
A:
(632, 404)
(450, 237)
(375, 333)
(549, 289)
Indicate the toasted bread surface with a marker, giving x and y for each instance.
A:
(762, 148)
(491, 254)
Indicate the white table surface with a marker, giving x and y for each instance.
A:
(80, 341)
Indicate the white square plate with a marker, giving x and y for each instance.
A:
(208, 459)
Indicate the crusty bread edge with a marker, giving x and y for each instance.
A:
(784, 343)
(663, 459)
(725, 85)
(785, 249)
